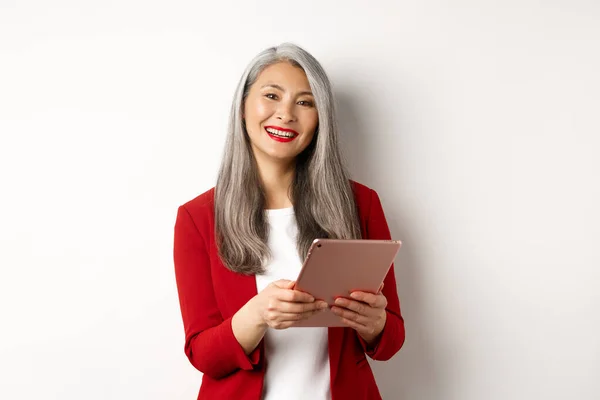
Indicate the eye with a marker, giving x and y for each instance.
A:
(306, 103)
(271, 94)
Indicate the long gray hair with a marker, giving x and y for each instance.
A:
(321, 191)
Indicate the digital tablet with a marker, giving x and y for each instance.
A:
(337, 267)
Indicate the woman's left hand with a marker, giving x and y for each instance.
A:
(365, 312)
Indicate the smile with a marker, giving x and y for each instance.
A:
(281, 134)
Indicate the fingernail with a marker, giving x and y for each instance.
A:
(323, 305)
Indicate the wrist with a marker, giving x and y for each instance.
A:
(247, 329)
(252, 316)
(373, 338)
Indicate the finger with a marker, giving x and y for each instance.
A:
(381, 287)
(283, 283)
(291, 285)
(358, 307)
(278, 317)
(309, 314)
(296, 296)
(290, 307)
(281, 325)
(304, 314)
(360, 328)
(374, 300)
(352, 315)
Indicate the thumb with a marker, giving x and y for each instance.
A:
(381, 287)
(291, 285)
(284, 283)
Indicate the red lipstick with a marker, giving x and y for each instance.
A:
(281, 136)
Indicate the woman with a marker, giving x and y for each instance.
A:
(239, 246)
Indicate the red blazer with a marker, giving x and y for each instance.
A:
(210, 294)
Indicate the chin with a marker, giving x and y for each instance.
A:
(282, 156)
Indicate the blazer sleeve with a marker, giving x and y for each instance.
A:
(210, 344)
(392, 337)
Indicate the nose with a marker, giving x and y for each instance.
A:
(285, 112)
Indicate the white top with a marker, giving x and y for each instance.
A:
(297, 358)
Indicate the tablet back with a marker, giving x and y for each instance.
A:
(337, 267)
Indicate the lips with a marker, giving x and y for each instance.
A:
(281, 134)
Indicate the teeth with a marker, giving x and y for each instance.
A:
(280, 133)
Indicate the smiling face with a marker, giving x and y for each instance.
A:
(280, 113)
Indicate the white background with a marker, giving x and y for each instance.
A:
(476, 121)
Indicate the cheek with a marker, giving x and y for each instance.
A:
(310, 137)
(257, 111)
(314, 122)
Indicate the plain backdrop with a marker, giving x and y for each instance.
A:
(476, 122)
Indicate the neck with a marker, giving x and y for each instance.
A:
(276, 179)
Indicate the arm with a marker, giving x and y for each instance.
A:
(391, 339)
(210, 342)
(247, 329)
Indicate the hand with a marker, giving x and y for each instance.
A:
(279, 306)
(365, 313)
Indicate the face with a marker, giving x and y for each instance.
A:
(280, 113)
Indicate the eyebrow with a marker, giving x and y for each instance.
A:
(273, 85)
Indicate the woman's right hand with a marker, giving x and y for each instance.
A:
(279, 306)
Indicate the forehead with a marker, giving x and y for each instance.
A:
(285, 75)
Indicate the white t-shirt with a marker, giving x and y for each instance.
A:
(297, 358)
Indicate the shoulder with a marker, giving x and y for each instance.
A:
(370, 212)
(201, 202)
(204, 202)
(363, 196)
(360, 190)
(200, 209)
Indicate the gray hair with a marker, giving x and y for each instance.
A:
(321, 191)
